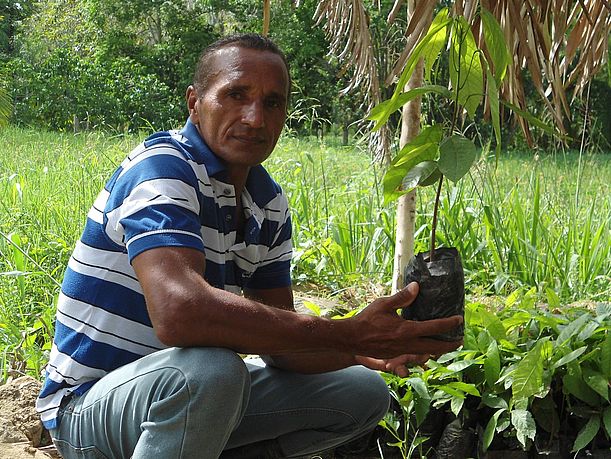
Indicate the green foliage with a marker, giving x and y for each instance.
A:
(120, 95)
(124, 65)
(47, 183)
(456, 156)
(164, 38)
(452, 154)
(466, 75)
(342, 234)
(525, 373)
(424, 147)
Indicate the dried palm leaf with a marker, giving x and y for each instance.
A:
(561, 44)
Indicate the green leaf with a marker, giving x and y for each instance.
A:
(494, 401)
(461, 365)
(513, 297)
(416, 54)
(496, 45)
(571, 329)
(587, 434)
(381, 112)
(468, 388)
(423, 401)
(455, 393)
(431, 51)
(607, 420)
(491, 429)
(423, 147)
(504, 422)
(552, 298)
(574, 384)
(569, 357)
(420, 387)
(588, 330)
(597, 382)
(422, 407)
(422, 174)
(492, 324)
(432, 178)
(313, 307)
(466, 73)
(525, 425)
(425, 48)
(605, 356)
(492, 364)
(456, 156)
(456, 405)
(528, 374)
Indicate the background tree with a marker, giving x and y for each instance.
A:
(127, 63)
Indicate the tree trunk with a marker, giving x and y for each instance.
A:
(345, 131)
(406, 206)
(266, 17)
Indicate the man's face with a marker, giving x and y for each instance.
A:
(242, 111)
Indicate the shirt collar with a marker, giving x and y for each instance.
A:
(195, 143)
(260, 185)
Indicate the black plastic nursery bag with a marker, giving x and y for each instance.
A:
(442, 289)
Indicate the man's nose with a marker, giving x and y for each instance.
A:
(253, 114)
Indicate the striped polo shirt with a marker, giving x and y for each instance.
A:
(170, 191)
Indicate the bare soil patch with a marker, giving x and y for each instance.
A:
(22, 435)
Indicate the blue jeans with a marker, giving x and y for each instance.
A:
(193, 403)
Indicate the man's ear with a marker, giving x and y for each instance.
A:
(192, 104)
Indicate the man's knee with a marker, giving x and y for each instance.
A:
(217, 369)
(371, 389)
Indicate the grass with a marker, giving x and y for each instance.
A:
(543, 223)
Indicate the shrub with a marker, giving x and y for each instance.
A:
(530, 378)
(69, 92)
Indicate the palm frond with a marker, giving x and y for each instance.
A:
(346, 24)
(561, 44)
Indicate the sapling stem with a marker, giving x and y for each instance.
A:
(434, 225)
(454, 120)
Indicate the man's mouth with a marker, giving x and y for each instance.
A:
(253, 139)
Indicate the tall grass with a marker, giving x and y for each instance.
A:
(529, 222)
(342, 234)
(47, 183)
(526, 223)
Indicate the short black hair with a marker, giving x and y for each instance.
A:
(245, 40)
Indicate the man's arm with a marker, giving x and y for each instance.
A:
(311, 362)
(186, 311)
(317, 362)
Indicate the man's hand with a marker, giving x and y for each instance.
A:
(381, 333)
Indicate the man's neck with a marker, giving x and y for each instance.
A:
(237, 176)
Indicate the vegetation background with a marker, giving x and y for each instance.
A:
(88, 79)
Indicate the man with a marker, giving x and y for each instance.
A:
(150, 322)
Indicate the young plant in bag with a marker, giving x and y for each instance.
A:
(442, 151)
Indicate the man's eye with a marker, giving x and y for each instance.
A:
(235, 95)
(274, 103)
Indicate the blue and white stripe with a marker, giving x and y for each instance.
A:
(169, 191)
